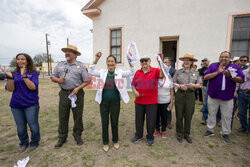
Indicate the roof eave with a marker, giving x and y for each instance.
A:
(91, 13)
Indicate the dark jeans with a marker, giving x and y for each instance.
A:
(23, 116)
(112, 109)
(162, 117)
(244, 106)
(64, 113)
(150, 111)
(169, 117)
(184, 110)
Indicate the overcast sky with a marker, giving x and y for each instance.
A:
(24, 23)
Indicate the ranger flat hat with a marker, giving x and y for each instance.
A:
(72, 48)
(189, 56)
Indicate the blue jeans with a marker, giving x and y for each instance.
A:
(244, 105)
(205, 110)
(23, 116)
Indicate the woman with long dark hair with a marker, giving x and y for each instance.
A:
(23, 82)
(109, 95)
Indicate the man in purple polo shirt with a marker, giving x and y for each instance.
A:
(222, 77)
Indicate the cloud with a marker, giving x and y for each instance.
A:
(24, 24)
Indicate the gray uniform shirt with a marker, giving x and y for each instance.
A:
(77, 74)
(183, 77)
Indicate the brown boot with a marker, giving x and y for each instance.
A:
(79, 141)
(203, 122)
(60, 143)
(22, 149)
(32, 148)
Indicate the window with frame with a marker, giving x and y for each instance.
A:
(241, 37)
(116, 43)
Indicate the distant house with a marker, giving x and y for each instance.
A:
(173, 27)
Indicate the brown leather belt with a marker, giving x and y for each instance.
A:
(68, 90)
(187, 91)
(245, 91)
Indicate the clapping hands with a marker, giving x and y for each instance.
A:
(9, 74)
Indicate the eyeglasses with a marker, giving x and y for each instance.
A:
(244, 60)
(146, 60)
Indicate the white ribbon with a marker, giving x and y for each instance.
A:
(132, 53)
(73, 99)
(164, 70)
(22, 162)
(223, 82)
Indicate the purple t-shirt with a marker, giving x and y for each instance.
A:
(215, 84)
(22, 96)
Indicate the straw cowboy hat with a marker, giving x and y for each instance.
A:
(72, 48)
(189, 56)
(236, 58)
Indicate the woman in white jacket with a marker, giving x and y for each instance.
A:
(109, 94)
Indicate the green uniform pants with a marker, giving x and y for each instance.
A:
(184, 110)
(64, 113)
(111, 108)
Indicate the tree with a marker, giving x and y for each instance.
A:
(13, 62)
(39, 59)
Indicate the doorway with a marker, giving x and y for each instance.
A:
(169, 47)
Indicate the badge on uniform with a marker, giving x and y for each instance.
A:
(77, 67)
(194, 74)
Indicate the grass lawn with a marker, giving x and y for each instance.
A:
(211, 151)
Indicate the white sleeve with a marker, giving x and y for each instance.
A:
(93, 72)
(129, 73)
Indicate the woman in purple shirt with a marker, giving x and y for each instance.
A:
(23, 82)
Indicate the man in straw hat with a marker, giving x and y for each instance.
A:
(72, 77)
(222, 77)
(186, 80)
(236, 60)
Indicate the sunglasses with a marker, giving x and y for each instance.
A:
(145, 60)
(244, 60)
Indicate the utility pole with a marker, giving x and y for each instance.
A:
(47, 48)
(67, 41)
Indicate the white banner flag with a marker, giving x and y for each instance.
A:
(164, 70)
(132, 53)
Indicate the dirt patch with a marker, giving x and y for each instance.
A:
(210, 151)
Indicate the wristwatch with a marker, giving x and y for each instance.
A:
(9, 77)
(25, 76)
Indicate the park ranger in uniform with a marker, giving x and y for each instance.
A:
(187, 80)
(72, 77)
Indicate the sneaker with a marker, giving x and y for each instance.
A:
(117, 146)
(163, 135)
(156, 133)
(106, 148)
(242, 130)
(226, 139)
(150, 142)
(179, 139)
(135, 139)
(208, 133)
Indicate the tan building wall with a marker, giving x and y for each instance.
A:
(201, 27)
